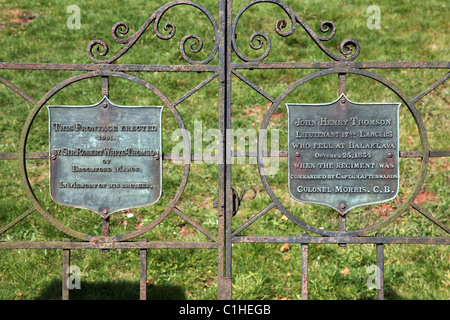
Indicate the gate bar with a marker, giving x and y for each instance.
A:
(143, 272)
(380, 269)
(342, 90)
(7, 245)
(65, 272)
(343, 239)
(305, 269)
(224, 165)
(213, 68)
(234, 153)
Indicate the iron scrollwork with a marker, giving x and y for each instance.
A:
(349, 48)
(256, 41)
(101, 48)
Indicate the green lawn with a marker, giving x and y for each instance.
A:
(36, 31)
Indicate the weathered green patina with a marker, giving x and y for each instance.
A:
(105, 157)
(343, 154)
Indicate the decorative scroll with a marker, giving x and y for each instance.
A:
(349, 48)
(101, 48)
(257, 39)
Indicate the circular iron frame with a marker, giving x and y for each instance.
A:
(424, 142)
(22, 156)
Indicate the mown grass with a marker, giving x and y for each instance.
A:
(35, 31)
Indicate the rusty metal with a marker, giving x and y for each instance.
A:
(224, 42)
(106, 243)
(234, 153)
(380, 269)
(225, 192)
(420, 127)
(65, 273)
(305, 256)
(341, 240)
(23, 141)
(143, 272)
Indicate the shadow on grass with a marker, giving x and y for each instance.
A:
(390, 294)
(112, 290)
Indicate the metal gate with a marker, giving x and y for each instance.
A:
(225, 50)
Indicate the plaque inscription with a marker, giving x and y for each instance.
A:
(343, 154)
(105, 157)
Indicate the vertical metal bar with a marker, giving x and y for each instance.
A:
(342, 223)
(342, 89)
(105, 87)
(105, 227)
(65, 273)
(224, 198)
(380, 270)
(221, 196)
(305, 270)
(228, 189)
(105, 93)
(342, 83)
(342, 228)
(143, 273)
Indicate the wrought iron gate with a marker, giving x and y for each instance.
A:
(225, 47)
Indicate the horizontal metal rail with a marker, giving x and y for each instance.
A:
(107, 67)
(234, 153)
(341, 240)
(214, 68)
(10, 245)
(106, 245)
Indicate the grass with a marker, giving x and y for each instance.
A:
(36, 31)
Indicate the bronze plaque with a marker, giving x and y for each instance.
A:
(343, 154)
(105, 157)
